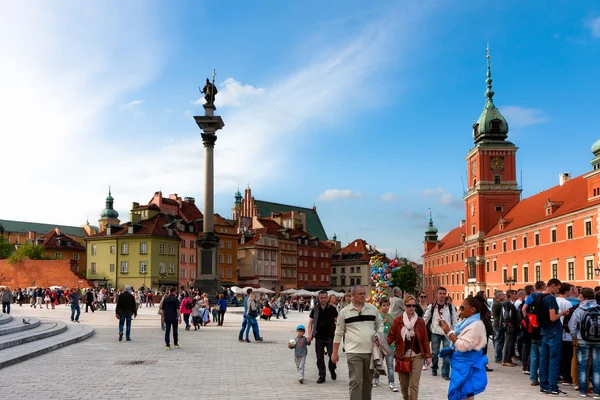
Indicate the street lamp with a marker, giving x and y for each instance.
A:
(510, 281)
(597, 270)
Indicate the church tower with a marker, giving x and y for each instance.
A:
(109, 215)
(431, 235)
(492, 179)
(237, 206)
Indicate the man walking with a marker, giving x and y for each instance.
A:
(6, 298)
(357, 324)
(396, 303)
(124, 309)
(510, 326)
(245, 316)
(440, 310)
(75, 309)
(89, 300)
(321, 327)
(171, 313)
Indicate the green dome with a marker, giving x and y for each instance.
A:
(431, 230)
(596, 148)
(109, 213)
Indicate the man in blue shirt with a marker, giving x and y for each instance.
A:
(171, 312)
(551, 332)
(244, 318)
(75, 310)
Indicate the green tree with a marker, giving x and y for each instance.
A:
(405, 278)
(28, 251)
(6, 249)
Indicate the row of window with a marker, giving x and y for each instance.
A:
(192, 258)
(304, 277)
(192, 243)
(143, 249)
(143, 267)
(343, 270)
(224, 243)
(525, 243)
(288, 273)
(353, 281)
(225, 273)
(58, 256)
(183, 273)
(449, 278)
(222, 259)
(323, 264)
(266, 254)
(307, 253)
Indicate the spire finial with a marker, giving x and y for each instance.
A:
(489, 93)
(109, 190)
(430, 218)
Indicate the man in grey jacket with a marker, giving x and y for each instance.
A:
(6, 296)
(396, 303)
(588, 312)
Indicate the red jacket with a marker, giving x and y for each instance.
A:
(395, 336)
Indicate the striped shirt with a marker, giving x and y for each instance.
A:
(357, 328)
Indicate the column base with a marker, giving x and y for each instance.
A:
(209, 286)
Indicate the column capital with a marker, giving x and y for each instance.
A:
(208, 240)
(208, 139)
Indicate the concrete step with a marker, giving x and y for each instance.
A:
(17, 325)
(73, 334)
(5, 318)
(45, 329)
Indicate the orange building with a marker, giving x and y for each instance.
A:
(227, 252)
(508, 242)
(60, 246)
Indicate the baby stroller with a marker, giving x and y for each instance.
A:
(98, 305)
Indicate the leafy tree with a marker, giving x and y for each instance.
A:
(6, 249)
(28, 251)
(405, 278)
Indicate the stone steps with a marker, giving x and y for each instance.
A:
(5, 318)
(20, 342)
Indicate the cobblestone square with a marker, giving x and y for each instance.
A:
(211, 364)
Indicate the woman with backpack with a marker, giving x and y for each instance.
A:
(186, 309)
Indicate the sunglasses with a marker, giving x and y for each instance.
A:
(463, 307)
(411, 305)
(423, 297)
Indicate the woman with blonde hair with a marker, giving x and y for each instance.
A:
(345, 300)
(409, 334)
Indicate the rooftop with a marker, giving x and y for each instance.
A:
(40, 228)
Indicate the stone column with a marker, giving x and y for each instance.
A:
(207, 275)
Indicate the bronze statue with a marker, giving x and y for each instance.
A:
(209, 91)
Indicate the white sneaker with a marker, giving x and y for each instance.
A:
(375, 382)
(424, 368)
(396, 389)
(391, 386)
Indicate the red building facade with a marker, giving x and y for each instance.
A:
(508, 242)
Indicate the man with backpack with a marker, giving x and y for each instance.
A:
(533, 331)
(547, 317)
(567, 343)
(510, 326)
(435, 312)
(584, 327)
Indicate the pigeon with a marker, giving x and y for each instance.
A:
(26, 321)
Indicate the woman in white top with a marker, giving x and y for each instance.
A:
(468, 376)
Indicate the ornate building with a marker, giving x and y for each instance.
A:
(508, 242)
(109, 215)
(351, 265)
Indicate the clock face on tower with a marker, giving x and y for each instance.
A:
(497, 163)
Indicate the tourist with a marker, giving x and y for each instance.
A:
(510, 326)
(20, 296)
(435, 313)
(281, 307)
(6, 297)
(171, 313)
(567, 341)
(551, 331)
(409, 336)
(221, 309)
(252, 314)
(498, 331)
(386, 317)
(588, 310)
(357, 324)
(321, 328)
(124, 309)
(245, 315)
(345, 301)
(73, 299)
(333, 300)
(47, 298)
(422, 304)
(89, 300)
(469, 377)
(300, 351)
(186, 310)
(396, 303)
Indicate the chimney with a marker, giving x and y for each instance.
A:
(57, 230)
(190, 200)
(108, 230)
(462, 223)
(562, 178)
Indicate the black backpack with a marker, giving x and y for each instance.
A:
(541, 312)
(567, 318)
(589, 326)
(189, 305)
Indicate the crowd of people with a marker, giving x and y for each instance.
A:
(553, 330)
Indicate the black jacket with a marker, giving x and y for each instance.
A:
(126, 304)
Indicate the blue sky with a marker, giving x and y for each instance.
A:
(365, 112)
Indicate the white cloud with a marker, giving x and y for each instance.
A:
(233, 94)
(338, 194)
(443, 198)
(595, 27)
(72, 89)
(521, 116)
(131, 104)
(387, 197)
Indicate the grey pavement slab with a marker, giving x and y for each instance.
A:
(211, 364)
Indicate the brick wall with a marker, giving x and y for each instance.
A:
(43, 273)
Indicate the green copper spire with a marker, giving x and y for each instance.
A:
(431, 232)
(491, 127)
(109, 211)
(238, 197)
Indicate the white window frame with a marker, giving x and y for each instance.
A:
(111, 249)
(570, 225)
(585, 221)
(143, 248)
(94, 249)
(143, 267)
(171, 249)
(124, 267)
(124, 248)
(111, 268)
(161, 248)
(526, 265)
(585, 263)
(162, 268)
(555, 235)
(171, 268)
(93, 268)
(75, 256)
(567, 261)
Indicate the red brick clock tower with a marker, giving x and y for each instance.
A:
(492, 181)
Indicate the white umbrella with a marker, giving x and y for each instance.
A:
(336, 294)
(57, 287)
(263, 290)
(237, 290)
(289, 291)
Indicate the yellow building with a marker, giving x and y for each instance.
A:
(141, 254)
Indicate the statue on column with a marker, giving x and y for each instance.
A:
(209, 91)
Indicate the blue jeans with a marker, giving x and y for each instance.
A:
(534, 360)
(252, 323)
(498, 344)
(550, 353)
(436, 341)
(583, 356)
(244, 325)
(75, 308)
(122, 319)
(389, 360)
